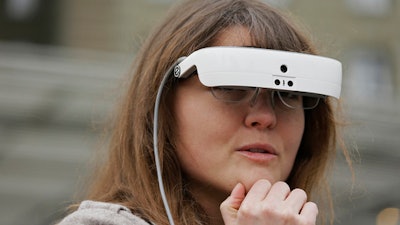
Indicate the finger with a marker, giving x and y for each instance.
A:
(230, 206)
(235, 199)
(296, 200)
(278, 193)
(310, 212)
(257, 192)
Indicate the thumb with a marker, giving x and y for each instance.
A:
(231, 205)
(237, 195)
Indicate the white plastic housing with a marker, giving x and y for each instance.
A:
(265, 68)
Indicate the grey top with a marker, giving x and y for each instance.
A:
(102, 213)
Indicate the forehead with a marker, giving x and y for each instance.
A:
(233, 36)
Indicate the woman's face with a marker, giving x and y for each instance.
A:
(220, 144)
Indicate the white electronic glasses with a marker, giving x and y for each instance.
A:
(263, 68)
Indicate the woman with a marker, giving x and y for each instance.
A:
(210, 150)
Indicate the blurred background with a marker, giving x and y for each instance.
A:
(62, 63)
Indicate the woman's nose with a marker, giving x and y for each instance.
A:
(261, 113)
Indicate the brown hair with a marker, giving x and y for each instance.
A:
(129, 177)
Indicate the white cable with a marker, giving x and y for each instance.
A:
(155, 143)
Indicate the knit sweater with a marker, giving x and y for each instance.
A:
(102, 213)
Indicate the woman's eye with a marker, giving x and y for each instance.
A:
(225, 89)
(233, 88)
(231, 94)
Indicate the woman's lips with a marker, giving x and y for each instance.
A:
(261, 153)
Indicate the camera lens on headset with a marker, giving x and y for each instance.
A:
(284, 68)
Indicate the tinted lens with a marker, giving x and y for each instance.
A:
(290, 99)
(295, 100)
(310, 102)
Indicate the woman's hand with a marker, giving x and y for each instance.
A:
(268, 205)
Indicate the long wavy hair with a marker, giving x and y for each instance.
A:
(128, 175)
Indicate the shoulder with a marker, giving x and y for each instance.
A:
(102, 213)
